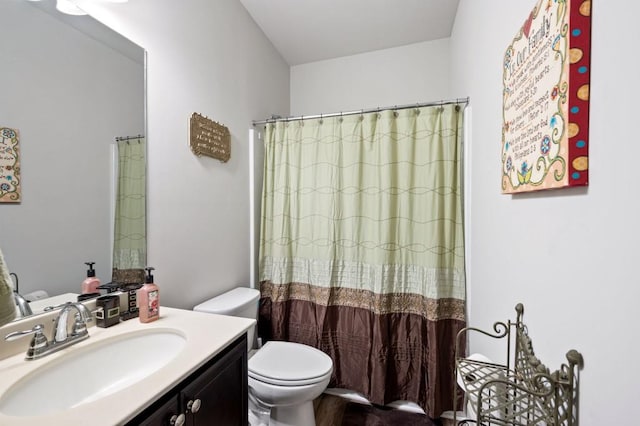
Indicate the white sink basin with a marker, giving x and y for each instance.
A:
(91, 372)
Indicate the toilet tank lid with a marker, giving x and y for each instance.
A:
(229, 302)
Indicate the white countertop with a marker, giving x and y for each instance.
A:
(206, 335)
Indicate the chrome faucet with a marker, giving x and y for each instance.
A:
(61, 338)
(79, 330)
(23, 305)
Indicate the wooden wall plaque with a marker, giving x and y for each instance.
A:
(209, 138)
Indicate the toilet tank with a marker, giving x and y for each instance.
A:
(238, 302)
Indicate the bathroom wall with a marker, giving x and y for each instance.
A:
(566, 254)
(569, 255)
(414, 73)
(208, 57)
(69, 95)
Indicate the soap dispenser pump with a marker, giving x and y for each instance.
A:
(91, 283)
(149, 299)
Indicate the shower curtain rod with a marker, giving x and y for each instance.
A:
(363, 111)
(128, 138)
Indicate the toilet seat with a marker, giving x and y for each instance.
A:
(289, 364)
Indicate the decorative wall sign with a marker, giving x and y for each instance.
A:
(9, 166)
(546, 70)
(209, 138)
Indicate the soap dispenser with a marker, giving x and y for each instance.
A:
(149, 299)
(91, 283)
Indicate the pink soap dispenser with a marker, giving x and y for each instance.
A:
(91, 283)
(149, 299)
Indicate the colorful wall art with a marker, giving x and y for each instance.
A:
(546, 70)
(9, 166)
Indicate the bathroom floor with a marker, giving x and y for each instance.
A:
(333, 410)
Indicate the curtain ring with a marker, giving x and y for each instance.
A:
(320, 121)
(340, 119)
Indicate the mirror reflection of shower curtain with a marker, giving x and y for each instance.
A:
(130, 231)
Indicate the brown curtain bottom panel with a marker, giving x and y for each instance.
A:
(386, 357)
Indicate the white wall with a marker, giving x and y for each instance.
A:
(568, 255)
(208, 57)
(414, 73)
(69, 96)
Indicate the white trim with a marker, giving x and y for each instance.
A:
(252, 210)
(112, 202)
(466, 143)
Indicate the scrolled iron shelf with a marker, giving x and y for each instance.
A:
(521, 392)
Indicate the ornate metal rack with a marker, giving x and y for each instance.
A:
(522, 392)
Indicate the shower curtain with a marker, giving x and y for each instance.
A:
(130, 232)
(362, 248)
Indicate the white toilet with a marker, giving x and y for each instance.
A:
(282, 375)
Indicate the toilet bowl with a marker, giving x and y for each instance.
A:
(284, 376)
(287, 377)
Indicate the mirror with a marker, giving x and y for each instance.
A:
(69, 86)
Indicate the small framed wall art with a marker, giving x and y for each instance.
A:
(546, 76)
(9, 166)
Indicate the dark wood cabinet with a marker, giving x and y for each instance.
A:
(216, 394)
(166, 414)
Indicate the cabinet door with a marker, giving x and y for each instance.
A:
(163, 415)
(218, 397)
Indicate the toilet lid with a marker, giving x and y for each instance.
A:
(289, 363)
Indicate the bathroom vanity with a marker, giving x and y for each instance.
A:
(187, 366)
(215, 394)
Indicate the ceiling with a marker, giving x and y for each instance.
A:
(312, 30)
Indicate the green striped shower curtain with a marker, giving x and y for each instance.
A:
(362, 248)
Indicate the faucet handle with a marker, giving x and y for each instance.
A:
(36, 330)
(38, 344)
(79, 326)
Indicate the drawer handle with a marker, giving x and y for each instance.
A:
(177, 420)
(193, 406)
